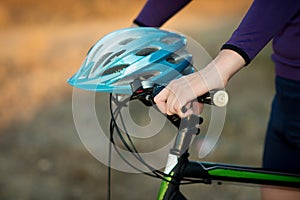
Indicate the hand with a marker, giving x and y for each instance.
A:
(182, 92)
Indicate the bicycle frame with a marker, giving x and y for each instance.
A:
(180, 168)
(209, 172)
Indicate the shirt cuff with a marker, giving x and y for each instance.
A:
(238, 50)
(139, 23)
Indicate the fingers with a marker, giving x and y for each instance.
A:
(178, 93)
(193, 107)
(161, 100)
(173, 104)
(169, 104)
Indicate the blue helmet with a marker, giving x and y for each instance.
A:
(124, 55)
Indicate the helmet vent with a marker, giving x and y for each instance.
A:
(126, 41)
(146, 51)
(115, 69)
(103, 58)
(112, 57)
(170, 40)
(99, 62)
(171, 60)
(174, 59)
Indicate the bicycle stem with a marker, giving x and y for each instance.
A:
(187, 129)
(178, 158)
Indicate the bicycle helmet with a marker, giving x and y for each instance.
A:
(124, 55)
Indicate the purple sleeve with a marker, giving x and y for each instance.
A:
(263, 21)
(156, 12)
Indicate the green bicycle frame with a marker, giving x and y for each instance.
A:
(179, 169)
(207, 172)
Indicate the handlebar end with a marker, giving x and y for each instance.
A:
(220, 98)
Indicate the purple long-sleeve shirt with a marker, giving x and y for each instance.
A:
(265, 20)
(156, 12)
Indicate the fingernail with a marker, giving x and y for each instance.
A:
(183, 109)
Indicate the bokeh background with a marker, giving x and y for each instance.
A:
(42, 43)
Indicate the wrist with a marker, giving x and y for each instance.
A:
(219, 71)
(228, 63)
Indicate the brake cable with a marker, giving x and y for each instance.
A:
(131, 147)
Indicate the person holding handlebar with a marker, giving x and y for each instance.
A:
(265, 21)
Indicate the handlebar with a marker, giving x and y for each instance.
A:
(145, 91)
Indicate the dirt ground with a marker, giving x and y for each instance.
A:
(41, 155)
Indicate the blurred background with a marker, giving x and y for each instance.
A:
(43, 43)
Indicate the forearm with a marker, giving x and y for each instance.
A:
(261, 23)
(219, 71)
